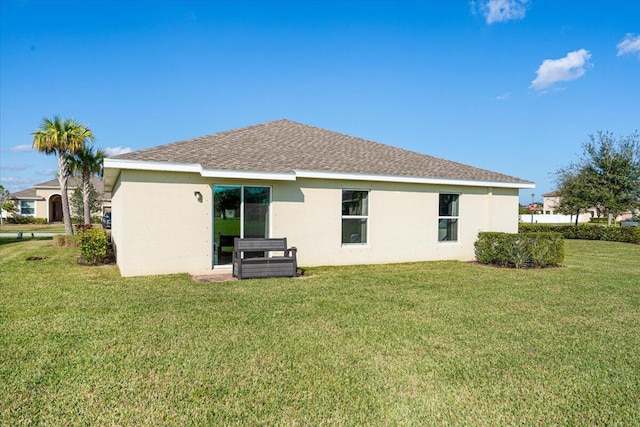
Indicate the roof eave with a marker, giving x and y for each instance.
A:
(411, 179)
(122, 164)
(119, 164)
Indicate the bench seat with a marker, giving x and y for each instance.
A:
(284, 265)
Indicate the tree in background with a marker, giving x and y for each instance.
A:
(607, 176)
(64, 138)
(573, 192)
(78, 205)
(5, 204)
(86, 163)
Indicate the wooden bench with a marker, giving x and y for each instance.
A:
(251, 260)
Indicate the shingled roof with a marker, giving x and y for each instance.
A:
(283, 146)
(28, 194)
(72, 182)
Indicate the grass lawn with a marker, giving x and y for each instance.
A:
(431, 343)
(32, 228)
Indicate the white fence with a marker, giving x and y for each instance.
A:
(554, 219)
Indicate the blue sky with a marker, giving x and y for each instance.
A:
(512, 86)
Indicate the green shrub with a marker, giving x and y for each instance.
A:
(80, 220)
(93, 245)
(520, 250)
(586, 232)
(22, 219)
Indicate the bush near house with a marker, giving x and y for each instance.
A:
(520, 250)
(586, 232)
(22, 219)
(93, 245)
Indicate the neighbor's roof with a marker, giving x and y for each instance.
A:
(290, 148)
(72, 182)
(554, 193)
(28, 194)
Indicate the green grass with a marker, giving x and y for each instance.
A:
(32, 228)
(432, 343)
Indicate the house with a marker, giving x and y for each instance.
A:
(43, 200)
(551, 201)
(339, 199)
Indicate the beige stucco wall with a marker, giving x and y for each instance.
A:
(42, 208)
(550, 204)
(159, 226)
(403, 221)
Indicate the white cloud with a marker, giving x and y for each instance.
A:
(48, 172)
(504, 96)
(15, 167)
(13, 184)
(570, 67)
(13, 180)
(21, 148)
(114, 151)
(630, 44)
(501, 10)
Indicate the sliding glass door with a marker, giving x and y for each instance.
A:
(239, 211)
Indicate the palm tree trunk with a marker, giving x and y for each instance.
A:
(86, 189)
(63, 175)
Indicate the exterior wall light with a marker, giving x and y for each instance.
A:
(198, 196)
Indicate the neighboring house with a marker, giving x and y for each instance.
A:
(338, 199)
(44, 200)
(551, 201)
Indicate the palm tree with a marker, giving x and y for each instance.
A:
(86, 163)
(64, 138)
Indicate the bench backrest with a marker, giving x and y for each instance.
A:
(257, 244)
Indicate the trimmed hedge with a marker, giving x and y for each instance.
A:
(586, 232)
(520, 250)
(93, 245)
(23, 219)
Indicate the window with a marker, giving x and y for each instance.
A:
(355, 214)
(448, 217)
(27, 207)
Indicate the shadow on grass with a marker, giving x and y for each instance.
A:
(10, 240)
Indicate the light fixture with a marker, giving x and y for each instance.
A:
(198, 195)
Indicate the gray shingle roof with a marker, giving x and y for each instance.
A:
(73, 182)
(283, 146)
(29, 193)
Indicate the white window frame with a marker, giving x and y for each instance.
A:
(365, 217)
(34, 208)
(449, 217)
